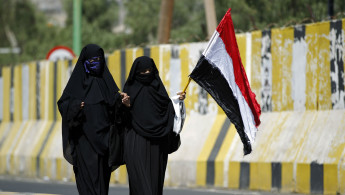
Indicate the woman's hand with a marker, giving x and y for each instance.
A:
(182, 95)
(82, 105)
(125, 99)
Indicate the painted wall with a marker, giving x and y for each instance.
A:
(297, 74)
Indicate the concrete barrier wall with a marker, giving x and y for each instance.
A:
(297, 74)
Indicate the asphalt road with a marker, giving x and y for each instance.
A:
(26, 186)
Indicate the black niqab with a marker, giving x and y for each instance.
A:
(84, 86)
(97, 91)
(151, 108)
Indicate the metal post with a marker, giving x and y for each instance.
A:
(76, 26)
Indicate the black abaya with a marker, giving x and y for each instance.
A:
(146, 139)
(85, 131)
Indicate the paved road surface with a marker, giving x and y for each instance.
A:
(25, 186)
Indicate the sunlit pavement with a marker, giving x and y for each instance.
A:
(16, 186)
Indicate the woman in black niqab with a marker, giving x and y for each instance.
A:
(152, 119)
(88, 101)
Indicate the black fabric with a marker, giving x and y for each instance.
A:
(92, 172)
(211, 79)
(151, 110)
(99, 92)
(116, 138)
(149, 135)
(146, 162)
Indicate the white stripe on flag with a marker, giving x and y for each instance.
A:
(217, 55)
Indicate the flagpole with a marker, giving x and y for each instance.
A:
(185, 88)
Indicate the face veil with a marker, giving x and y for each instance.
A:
(151, 108)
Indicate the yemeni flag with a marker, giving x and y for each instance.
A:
(220, 72)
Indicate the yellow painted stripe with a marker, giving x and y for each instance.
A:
(6, 75)
(288, 181)
(50, 97)
(241, 42)
(186, 68)
(45, 159)
(14, 153)
(122, 175)
(342, 171)
(330, 178)
(59, 169)
(276, 48)
(201, 164)
(18, 115)
(41, 135)
(32, 91)
(255, 82)
(74, 62)
(324, 63)
(3, 130)
(219, 161)
(129, 60)
(113, 177)
(59, 172)
(61, 68)
(4, 151)
(282, 42)
(234, 175)
(155, 54)
(260, 176)
(286, 57)
(303, 178)
(114, 61)
(184, 55)
(43, 66)
(312, 66)
(65, 74)
(19, 152)
(262, 146)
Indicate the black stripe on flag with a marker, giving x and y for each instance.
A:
(210, 78)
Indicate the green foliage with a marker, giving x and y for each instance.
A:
(36, 37)
(142, 19)
(32, 32)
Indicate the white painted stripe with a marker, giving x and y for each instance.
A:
(299, 61)
(175, 70)
(249, 56)
(13, 144)
(217, 55)
(227, 160)
(194, 54)
(25, 91)
(266, 73)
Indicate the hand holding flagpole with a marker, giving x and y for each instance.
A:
(185, 88)
(183, 93)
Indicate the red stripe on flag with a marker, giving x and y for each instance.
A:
(227, 34)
